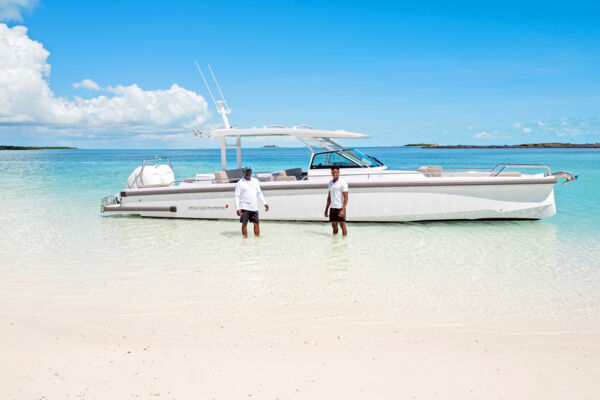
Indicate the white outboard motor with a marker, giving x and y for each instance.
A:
(151, 175)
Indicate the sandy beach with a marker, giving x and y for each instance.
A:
(163, 357)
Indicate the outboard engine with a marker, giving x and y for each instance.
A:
(151, 176)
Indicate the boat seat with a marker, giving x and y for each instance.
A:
(297, 172)
(221, 177)
(431, 171)
(284, 178)
(189, 179)
(509, 174)
(235, 175)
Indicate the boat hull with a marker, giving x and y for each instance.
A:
(368, 202)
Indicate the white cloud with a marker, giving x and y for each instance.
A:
(87, 84)
(169, 137)
(517, 125)
(26, 97)
(526, 130)
(540, 123)
(483, 135)
(12, 10)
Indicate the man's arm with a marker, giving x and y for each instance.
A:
(328, 203)
(261, 197)
(343, 211)
(237, 199)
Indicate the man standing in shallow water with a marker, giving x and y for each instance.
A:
(247, 192)
(337, 199)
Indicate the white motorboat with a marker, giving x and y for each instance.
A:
(377, 194)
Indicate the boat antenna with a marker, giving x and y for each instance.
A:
(218, 86)
(206, 84)
(222, 107)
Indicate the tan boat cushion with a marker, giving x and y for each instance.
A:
(509, 174)
(221, 177)
(431, 171)
(280, 178)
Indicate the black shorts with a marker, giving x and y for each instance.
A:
(251, 216)
(334, 214)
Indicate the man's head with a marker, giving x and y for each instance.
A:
(247, 172)
(335, 172)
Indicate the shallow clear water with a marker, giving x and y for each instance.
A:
(59, 256)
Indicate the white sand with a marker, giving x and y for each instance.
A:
(45, 358)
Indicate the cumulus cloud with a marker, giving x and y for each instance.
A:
(483, 135)
(87, 84)
(540, 123)
(517, 125)
(526, 130)
(12, 10)
(26, 97)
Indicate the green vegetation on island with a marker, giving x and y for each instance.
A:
(37, 148)
(549, 145)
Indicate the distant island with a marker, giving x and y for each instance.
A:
(36, 148)
(552, 145)
(422, 145)
(271, 146)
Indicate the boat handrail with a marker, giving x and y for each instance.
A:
(156, 159)
(302, 126)
(502, 167)
(274, 126)
(482, 171)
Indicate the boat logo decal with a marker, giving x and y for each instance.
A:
(208, 207)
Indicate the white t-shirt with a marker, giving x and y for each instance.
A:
(336, 192)
(247, 193)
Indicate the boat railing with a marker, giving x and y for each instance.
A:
(501, 167)
(496, 171)
(154, 159)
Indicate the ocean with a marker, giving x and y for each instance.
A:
(59, 256)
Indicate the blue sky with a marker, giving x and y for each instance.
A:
(460, 72)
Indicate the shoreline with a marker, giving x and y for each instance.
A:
(37, 148)
(511, 146)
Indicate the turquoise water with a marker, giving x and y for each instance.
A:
(60, 256)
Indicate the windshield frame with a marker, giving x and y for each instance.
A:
(356, 157)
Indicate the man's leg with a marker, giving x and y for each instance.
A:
(245, 229)
(256, 229)
(343, 225)
(334, 225)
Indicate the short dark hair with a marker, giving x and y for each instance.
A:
(335, 167)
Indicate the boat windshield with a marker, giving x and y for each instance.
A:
(347, 158)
